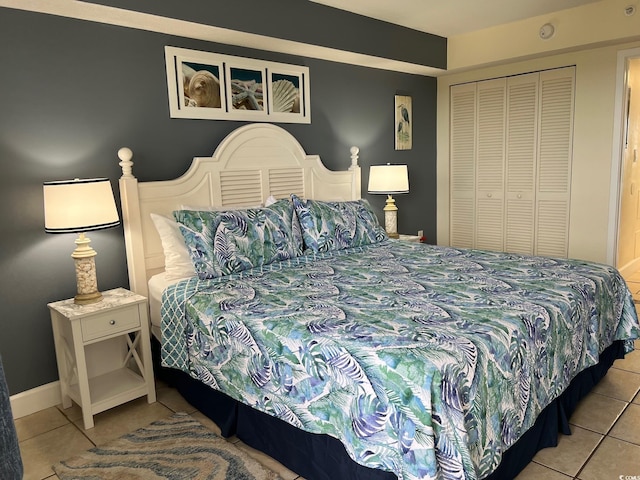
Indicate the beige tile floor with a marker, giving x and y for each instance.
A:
(55, 434)
(633, 282)
(605, 440)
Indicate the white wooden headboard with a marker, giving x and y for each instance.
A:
(251, 163)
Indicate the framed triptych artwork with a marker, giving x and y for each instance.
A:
(223, 87)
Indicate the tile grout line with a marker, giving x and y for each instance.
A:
(603, 435)
(584, 464)
(556, 470)
(577, 477)
(608, 432)
(593, 452)
(82, 431)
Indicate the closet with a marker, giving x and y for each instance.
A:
(511, 149)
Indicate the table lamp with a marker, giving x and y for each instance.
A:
(389, 179)
(79, 206)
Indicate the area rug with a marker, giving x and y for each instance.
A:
(176, 448)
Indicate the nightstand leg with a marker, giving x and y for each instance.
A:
(83, 377)
(145, 350)
(64, 359)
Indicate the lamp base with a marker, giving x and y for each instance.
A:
(84, 257)
(87, 298)
(391, 218)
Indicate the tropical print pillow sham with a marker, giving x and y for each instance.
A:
(330, 226)
(231, 241)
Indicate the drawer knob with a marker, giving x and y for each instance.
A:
(112, 322)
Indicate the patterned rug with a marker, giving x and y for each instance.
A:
(176, 448)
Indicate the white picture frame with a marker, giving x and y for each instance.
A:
(288, 94)
(403, 124)
(204, 85)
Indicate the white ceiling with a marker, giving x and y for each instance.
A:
(447, 18)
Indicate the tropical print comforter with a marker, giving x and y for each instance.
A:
(425, 361)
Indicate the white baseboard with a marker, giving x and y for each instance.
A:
(630, 267)
(36, 399)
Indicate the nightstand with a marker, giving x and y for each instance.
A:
(409, 238)
(103, 352)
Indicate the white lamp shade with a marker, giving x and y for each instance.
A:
(73, 206)
(388, 179)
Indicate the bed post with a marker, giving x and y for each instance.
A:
(356, 184)
(131, 221)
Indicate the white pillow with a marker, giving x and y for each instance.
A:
(177, 261)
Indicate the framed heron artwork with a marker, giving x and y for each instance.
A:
(223, 87)
(403, 122)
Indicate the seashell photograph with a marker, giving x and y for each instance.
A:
(247, 90)
(201, 85)
(285, 93)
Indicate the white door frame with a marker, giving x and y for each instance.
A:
(616, 155)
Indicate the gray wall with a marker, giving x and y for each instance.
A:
(72, 92)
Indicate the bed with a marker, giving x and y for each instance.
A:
(298, 326)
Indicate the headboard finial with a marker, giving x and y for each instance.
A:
(125, 155)
(354, 156)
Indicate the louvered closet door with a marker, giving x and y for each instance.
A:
(521, 152)
(511, 149)
(462, 165)
(490, 155)
(555, 141)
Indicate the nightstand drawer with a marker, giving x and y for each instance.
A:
(109, 323)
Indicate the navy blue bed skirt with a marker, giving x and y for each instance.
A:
(329, 461)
